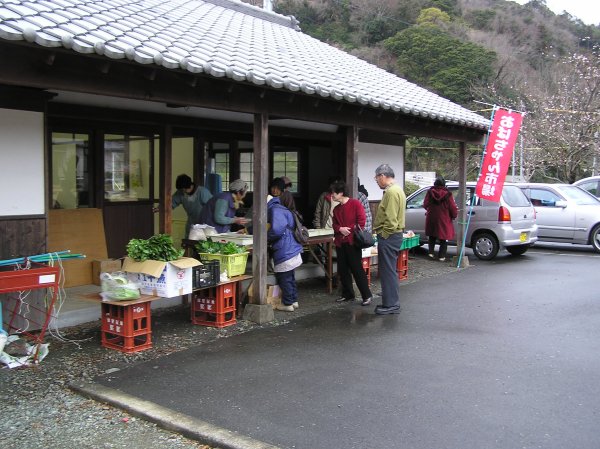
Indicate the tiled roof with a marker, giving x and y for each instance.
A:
(222, 38)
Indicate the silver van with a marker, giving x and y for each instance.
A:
(509, 224)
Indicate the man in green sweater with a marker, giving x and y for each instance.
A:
(389, 226)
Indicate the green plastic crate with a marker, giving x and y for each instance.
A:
(410, 242)
(235, 264)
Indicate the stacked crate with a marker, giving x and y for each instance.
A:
(402, 266)
(126, 328)
(215, 306)
(366, 264)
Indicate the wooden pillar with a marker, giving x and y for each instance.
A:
(461, 203)
(258, 310)
(165, 179)
(352, 160)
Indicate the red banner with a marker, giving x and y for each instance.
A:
(498, 153)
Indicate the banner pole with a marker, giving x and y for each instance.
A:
(469, 214)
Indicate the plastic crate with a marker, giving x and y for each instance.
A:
(126, 328)
(206, 275)
(410, 242)
(214, 306)
(234, 264)
(366, 265)
(402, 266)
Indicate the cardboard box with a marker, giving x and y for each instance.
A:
(273, 294)
(165, 279)
(104, 266)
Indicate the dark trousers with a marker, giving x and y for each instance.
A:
(388, 251)
(287, 282)
(349, 264)
(443, 246)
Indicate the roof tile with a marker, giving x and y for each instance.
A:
(222, 38)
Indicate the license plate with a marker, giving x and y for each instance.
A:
(523, 237)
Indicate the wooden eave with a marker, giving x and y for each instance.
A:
(28, 65)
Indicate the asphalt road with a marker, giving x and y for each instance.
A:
(503, 354)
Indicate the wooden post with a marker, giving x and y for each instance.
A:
(165, 179)
(352, 160)
(258, 310)
(462, 259)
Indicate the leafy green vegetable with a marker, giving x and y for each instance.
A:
(157, 247)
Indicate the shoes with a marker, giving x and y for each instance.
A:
(342, 299)
(367, 301)
(380, 310)
(285, 308)
(295, 305)
(441, 259)
(431, 255)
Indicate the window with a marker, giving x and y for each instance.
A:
(247, 169)
(545, 198)
(222, 168)
(127, 166)
(70, 170)
(285, 163)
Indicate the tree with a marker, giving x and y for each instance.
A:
(564, 119)
(429, 56)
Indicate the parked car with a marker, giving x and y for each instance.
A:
(509, 224)
(565, 213)
(591, 184)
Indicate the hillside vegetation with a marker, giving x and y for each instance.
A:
(494, 52)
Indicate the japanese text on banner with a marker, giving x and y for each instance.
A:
(498, 153)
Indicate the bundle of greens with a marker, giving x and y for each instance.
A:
(210, 247)
(157, 247)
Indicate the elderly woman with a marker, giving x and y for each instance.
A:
(348, 216)
(220, 210)
(286, 251)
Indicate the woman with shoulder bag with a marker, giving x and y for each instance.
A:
(348, 216)
(441, 211)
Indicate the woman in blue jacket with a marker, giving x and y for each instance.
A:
(286, 252)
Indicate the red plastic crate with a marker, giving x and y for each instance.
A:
(126, 328)
(402, 267)
(366, 264)
(214, 306)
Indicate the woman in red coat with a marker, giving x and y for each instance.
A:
(441, 210)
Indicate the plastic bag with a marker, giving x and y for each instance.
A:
(116, 287)
(201, 232)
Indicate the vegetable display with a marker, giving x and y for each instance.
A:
(158, 247)
(211, 247)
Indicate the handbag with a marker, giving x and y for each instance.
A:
(363, 238)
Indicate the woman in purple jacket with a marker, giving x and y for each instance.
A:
(441, 210)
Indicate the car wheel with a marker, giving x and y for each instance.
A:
(485, 246)
(595, 238)
(517, 250)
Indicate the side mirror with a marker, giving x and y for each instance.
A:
(560, 203)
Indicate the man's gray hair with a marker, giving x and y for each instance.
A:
(385, 170)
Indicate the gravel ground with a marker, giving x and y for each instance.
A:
(38, 410)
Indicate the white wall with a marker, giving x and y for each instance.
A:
(371, 156)
(22, 183)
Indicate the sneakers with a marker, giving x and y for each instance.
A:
(367, 301)
(342, 299)
(441, 259)
(431, 255)
(285, 308)
(295, 305)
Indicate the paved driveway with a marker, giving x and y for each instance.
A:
(500, 355)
